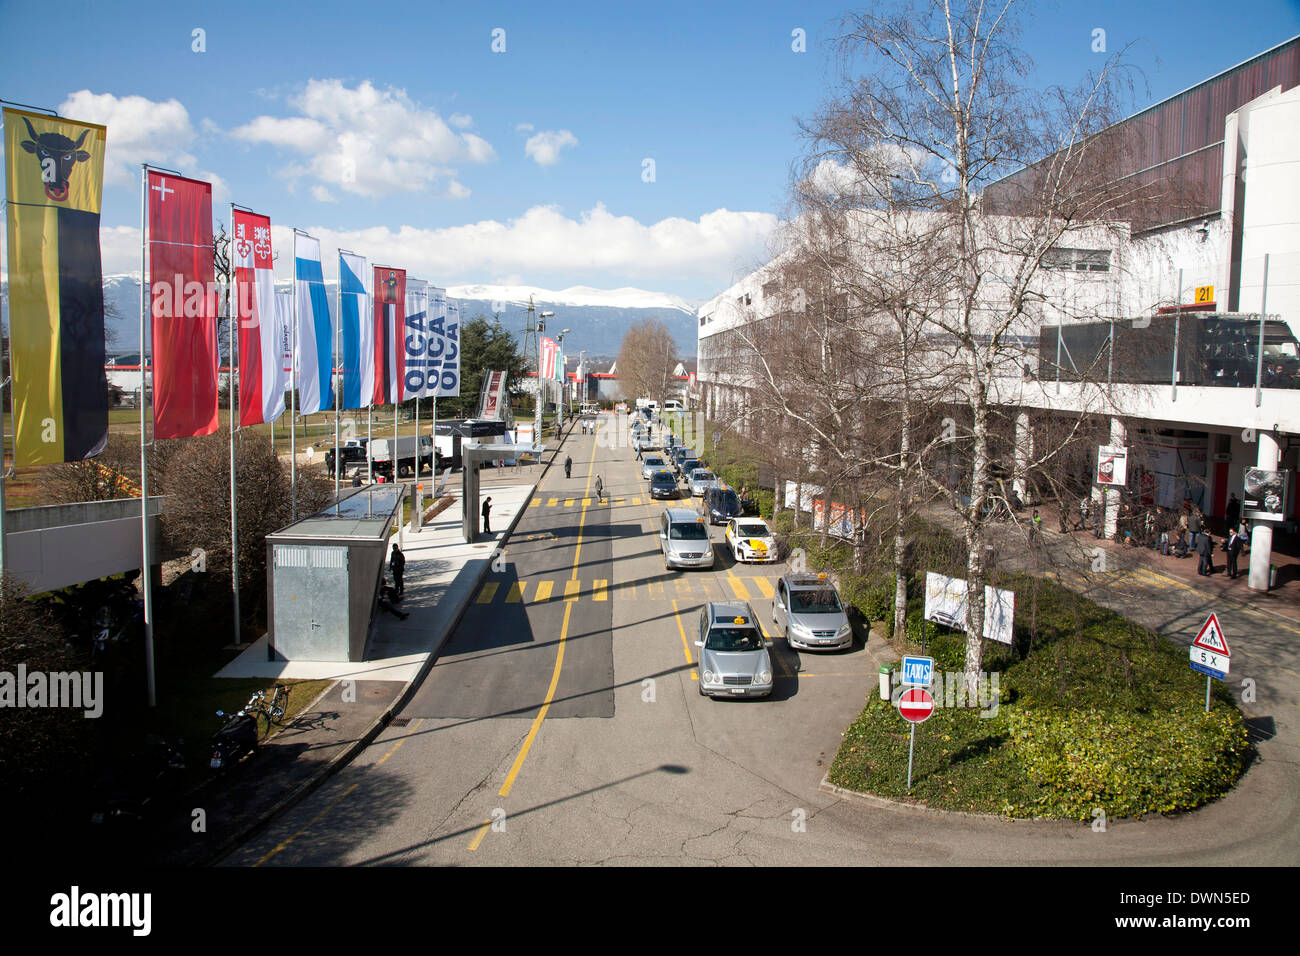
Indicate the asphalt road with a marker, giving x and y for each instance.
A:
(562, 725)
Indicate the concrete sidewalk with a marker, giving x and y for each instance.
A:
(443, 574)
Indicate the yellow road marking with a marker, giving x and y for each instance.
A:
(686, 648)
(487, 593)
(568, 502)
(586, 502)
(655, 590)
(572, 587)
(478, 837)
(636, 501)
(551, 502)
(737, 585)
(536, 502)
(598, 589)
(765, 586)
(546, 705)
(542, 592)
(516, 593)
(312, 822)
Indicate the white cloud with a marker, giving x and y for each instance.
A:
(544, 240)
(461, 120)
(139, 130)
(321, 194)
(457, 190)
(544, 147)
(367, 141)
(525, 128)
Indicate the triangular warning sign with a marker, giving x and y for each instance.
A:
(1211, 637)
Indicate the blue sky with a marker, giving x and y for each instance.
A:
(395, 129)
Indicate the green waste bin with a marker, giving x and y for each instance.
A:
(886, 678)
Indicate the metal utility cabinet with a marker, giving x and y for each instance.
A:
(324, 573)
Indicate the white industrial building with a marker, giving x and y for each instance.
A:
(1224, 276)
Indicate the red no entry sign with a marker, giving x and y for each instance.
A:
(916, 705)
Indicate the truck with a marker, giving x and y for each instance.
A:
(382, 456)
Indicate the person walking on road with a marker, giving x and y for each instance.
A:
(397, 564)
(600, 489)
(1205, 549)
(568, 467)
(487, 515)
(1236, 542)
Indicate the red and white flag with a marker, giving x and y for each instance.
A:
(262, 379)
(549, 350)
(184, 306)
(390, 320)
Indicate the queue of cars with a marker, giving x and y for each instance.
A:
(734, 656)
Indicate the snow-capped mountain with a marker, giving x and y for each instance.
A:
(596, 318)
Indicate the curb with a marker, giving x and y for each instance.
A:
(340, 760)
(920, 809)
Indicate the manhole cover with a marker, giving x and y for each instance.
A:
(378, 692)
(401, 721)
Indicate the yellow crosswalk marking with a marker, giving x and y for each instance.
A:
(537, 502)
(765, 586)
(571, 589)
(586, 502)
(543, 591)
(683, 587)
(551, 502)
(627, 591)
(655, 590)
(488, 592)
(599, 590)
(516, 593)
(568, 502)
(636, 501)
(619, 501)
(737, 585)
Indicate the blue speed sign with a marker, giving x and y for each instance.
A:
(918, 671)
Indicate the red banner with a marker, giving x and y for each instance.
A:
(390, 320)
(184, 307)
(262, 383)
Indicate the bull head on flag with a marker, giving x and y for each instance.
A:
(57, 154)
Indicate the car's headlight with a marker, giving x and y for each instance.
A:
(708, 677)
(844, 630)
(801, 629)
(764, 677)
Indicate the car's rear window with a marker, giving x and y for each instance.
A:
(703, 474)
(752, 530)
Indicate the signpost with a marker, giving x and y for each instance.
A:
(1210, 654)
(918, 671)
(916, 705)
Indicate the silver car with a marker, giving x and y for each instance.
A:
(651, 464)
(701, 478)
(734, 659)
(808, 609)
(684, 540)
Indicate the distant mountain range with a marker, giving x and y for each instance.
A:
(596, 318)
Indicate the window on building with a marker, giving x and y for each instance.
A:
(1077, 260)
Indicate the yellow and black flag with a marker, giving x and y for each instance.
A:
(54, 179)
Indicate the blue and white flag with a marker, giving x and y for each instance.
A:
(315, 360)
(449, 380)
(436, 348)
(357, 332)
(415, 339)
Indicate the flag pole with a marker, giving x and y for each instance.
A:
(232, 310)
(334, 361)
(293, 388)
(146, 576)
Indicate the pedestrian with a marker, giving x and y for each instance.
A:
(356, 480)
(568, 467)
(1236, 541)
(1083, 514)
(638, 449)
(1205, 549)
(1233, 512)
(397, 564)
(1194, 526)
(487, 515)
(600, 489)
(1035, 526)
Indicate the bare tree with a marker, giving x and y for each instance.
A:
(647, 358)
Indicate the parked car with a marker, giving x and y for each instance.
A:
(687, 465)
(646, 442)
(684, 540)
(651, 464)
(679, 455)
(663, 484)
(701, 479)
(734, 659)
(808, 608)
(719, 503)
(750, 539)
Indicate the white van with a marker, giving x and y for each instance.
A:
(673, 405)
